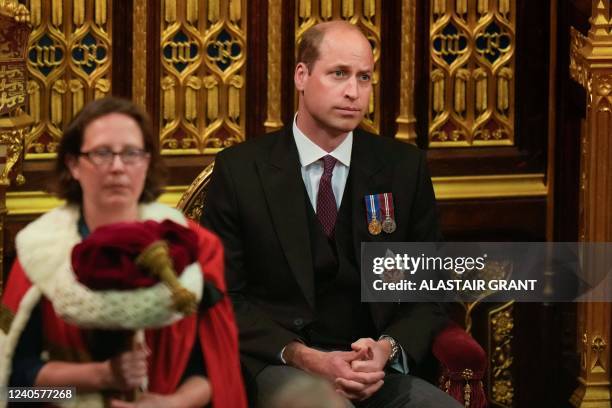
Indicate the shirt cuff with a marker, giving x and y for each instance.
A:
(401, 362)
(282, 352)
(400, 365)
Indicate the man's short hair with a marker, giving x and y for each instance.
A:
(308, 48)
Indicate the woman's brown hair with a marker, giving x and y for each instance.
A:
(67, 187)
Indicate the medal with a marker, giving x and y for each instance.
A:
(374, 227)
(373, 215)
(388, 225)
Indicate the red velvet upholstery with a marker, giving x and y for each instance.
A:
(463, 363)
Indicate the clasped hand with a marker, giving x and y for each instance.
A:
(359, 373)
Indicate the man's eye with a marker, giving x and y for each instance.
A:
(339, 73)
(365, 77)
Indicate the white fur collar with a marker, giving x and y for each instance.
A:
(44, 246)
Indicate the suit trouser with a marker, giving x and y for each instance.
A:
(398, 391)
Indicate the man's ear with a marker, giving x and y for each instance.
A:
(71, 163)
(300, 76)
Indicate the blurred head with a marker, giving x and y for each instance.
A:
(333, 77)
(108, 157)
(306, 392)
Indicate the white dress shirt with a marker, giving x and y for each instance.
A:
(312, 167)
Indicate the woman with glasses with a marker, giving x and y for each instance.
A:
(109, 172)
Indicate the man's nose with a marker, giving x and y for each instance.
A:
(351, 90)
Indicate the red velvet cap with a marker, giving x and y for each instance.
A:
(106, 258)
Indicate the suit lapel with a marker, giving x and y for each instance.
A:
(367, 177)
(283, 187)
(370, 175)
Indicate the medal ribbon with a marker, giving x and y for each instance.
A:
(389, 212)
(372, 208)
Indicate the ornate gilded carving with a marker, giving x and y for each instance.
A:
(591, 66)
(69, 65)
(364, 13)
(472, 73)
(14, 10)
(139, 53)
(578, 71)
(203, 69)
(599, 346)
(14, 89)
(501, 383)
(273, 111)
(406, 121)
(192, 200)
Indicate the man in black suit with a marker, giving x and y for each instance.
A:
(292, 210)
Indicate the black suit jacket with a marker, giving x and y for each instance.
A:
(256, 204)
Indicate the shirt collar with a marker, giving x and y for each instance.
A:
(309, 152)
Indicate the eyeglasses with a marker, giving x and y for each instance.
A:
(104, 157)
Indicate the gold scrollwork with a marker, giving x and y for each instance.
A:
(503, 89)
(57, 96)
(212, 101)
(461, 7)
(76, 87)
(13, 130)
(170, 13)
(213, 11)
(139, 53)
(192, 11)
(235, 10)
(35, 12)
(472, 73)
(598, 346)
(193, 85)
(78, 12)
(461, 79)
(12, 8)
(483, 6)
(406, 120)
(102, 88)
(439, 7)
(326, 9)
(437, 77)
(167, 85)
(57, 14)
(34, 100)
(68, 63)
(101, 11)
(305, 9)
(234, 97)
(273, 117)
(348, 9)
(204, 46)
(501, 326)
(223, 51)
(181, 52)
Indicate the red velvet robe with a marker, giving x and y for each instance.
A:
(171, 346)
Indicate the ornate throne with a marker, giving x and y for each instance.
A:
(14, 122)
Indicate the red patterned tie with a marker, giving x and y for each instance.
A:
(326, 202)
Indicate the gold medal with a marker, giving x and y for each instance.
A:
(374, 227)
(388, 225)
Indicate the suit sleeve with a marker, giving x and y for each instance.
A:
(415, 325)
(260, 336)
